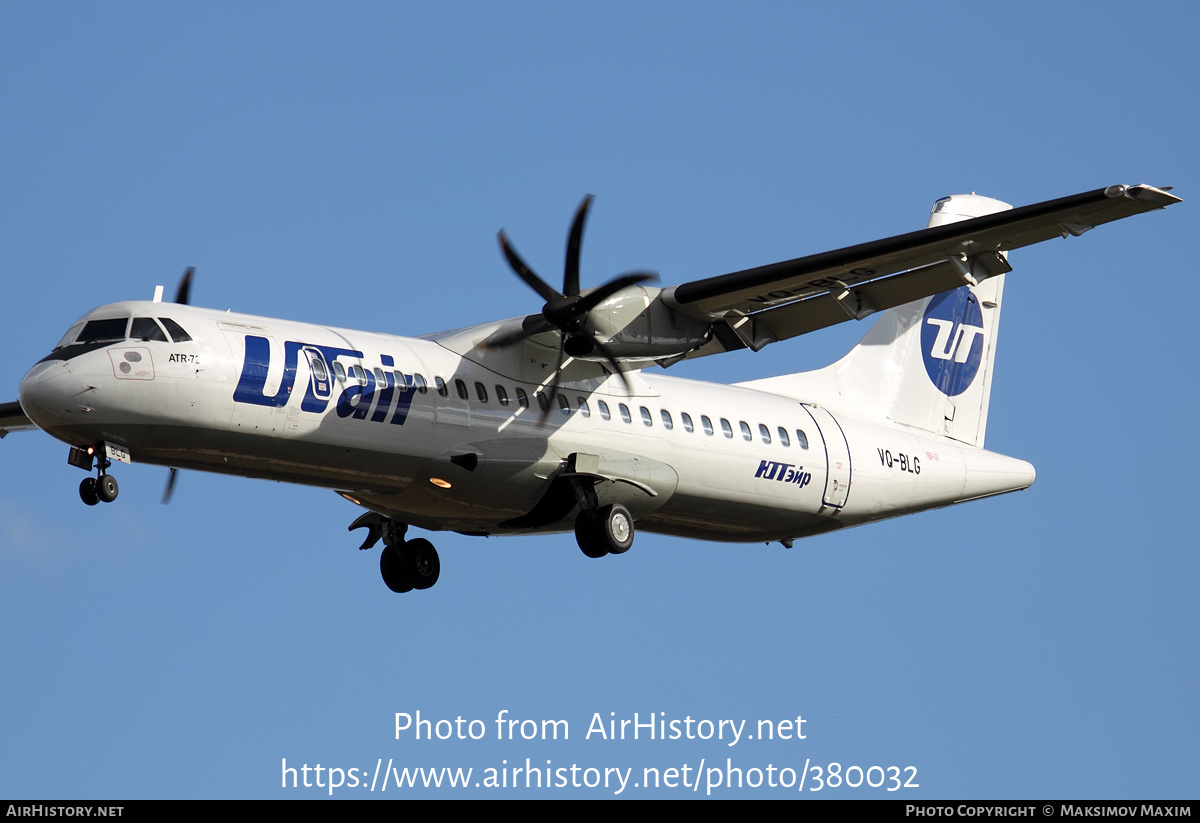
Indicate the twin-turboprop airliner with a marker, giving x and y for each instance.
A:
(553, 422)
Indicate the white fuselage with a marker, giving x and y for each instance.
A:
(246, 396)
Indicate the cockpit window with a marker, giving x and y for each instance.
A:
(104, 331)
(175, 330)
(144, 328)
(69, 337)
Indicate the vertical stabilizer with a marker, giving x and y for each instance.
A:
(929, 363)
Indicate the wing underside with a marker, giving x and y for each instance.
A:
(13, 419)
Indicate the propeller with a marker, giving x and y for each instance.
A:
(566, 311)
(170, 489)
(185, 286)
(181, 296)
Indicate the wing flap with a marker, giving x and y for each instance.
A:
(820, 311)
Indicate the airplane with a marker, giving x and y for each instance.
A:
(558, 421)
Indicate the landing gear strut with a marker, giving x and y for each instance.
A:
(404, 564)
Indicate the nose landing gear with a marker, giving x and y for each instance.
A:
(100, 489)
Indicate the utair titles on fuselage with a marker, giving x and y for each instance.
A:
(556, 421)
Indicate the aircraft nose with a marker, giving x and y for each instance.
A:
(46, 395)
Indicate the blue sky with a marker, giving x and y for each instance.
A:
(351, 166)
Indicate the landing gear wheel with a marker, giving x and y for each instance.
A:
(393, 570)
(88, 492)
(609, 530)
(616, 524)
(587, 535)
(423, 562)
(106, 488)
(411, 565)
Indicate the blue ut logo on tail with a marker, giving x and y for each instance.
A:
(952, 340)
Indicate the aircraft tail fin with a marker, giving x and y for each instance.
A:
(926, 364)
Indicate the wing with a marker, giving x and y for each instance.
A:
(13, 419)
(758, 306)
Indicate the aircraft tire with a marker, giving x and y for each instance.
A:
(588, 536)
(394, 570)
(616, 527)
(106, 488)
(424, 565)
(88, 492)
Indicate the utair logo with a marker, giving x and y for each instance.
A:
(783, 472)
(364, 386)
(952, 340)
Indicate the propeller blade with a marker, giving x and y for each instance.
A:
(524, 272)
(571, 270)
(554, 385)
(593, 299)
(612, 360)
(166, 498)
(185, 286)
(531, 325)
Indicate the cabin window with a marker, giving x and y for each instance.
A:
(687, 422)
(339, 371)
(358, 374)
(380, 377)
(625, 415)
(481, 392)
(647, 418)
(175, 330)
(604, 412)
(801, 439)
(583, 408)
(461, 387)
(783, 436)
(418, 380)
(564, 404)
(707, 424)
(522, 398)
(543, 401)
(726, 429)
(442, 390)
(764, 433)
(501, 395)
(144, 328)
(668, 423)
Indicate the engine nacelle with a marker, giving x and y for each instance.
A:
(637, 324)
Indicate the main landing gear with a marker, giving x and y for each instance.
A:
(607, 530)
(100, 489)
(404, 564)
